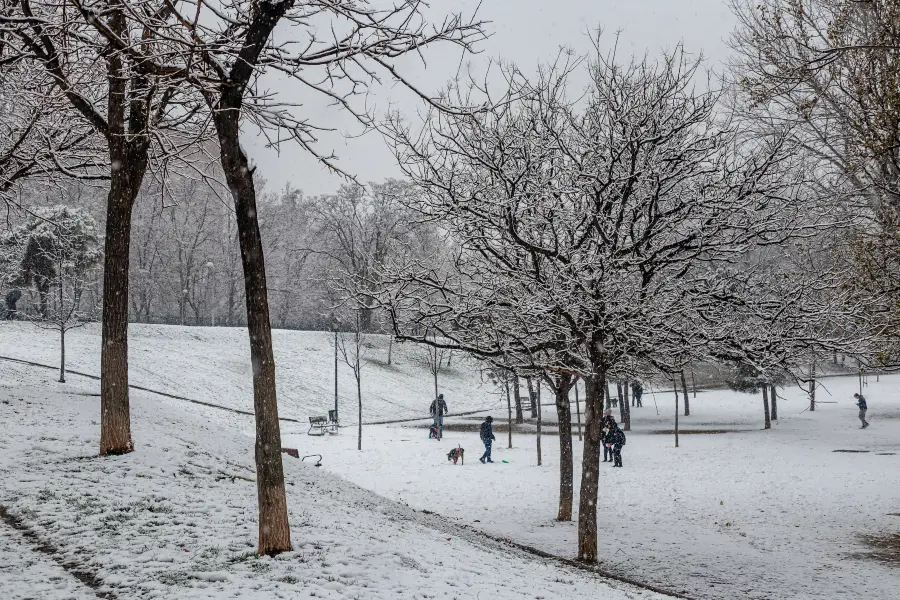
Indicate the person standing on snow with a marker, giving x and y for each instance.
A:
(606, 426)
(487, 437)
(617, 439)
(438, 410)
(863, 407)
(637, 390)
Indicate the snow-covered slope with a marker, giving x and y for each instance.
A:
(212, 364)
(176, 518)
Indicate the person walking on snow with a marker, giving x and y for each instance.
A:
(487, 437)
(863, 407)
(617, 439)
(438, 410)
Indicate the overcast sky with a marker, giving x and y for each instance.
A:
(524, 31)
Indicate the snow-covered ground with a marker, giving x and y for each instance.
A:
(744, 514)
(212, 364)
(176, 518)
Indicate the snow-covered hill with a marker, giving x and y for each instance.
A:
(176, 519)
(212, 364)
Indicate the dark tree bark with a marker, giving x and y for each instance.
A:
(626, 411)
(128, 154)
(684, 394)
(509, 421)
(619, 400)
(675, 386)
(812, 387)
(578, 409)
(625, 389)
(539, 461)
(773, 398)
(562, 386)
(595, 390)
(532, 397)
(765, 394)
(226, 104)
(517, 394)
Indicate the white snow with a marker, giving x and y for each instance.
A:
(212, 364)
(162, 522)
(745, 514)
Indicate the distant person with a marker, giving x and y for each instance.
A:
(863, 407)
(606, 425)
(637, 390)
(438, 410)
(487, 437)
(617, 439)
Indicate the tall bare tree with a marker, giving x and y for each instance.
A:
(89, 53)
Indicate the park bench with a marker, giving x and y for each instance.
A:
(321, 425)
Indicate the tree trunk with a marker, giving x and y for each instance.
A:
(517, 394)
(765, 395)
(115, 411)
(390, 349)
(595, 390)
(509, 421)
(336, 414)
(619, 400)
(626, 412)
(43, 290)
(274, 529)
(359, 401)
(812, 387)
(564, 416)
(62, 354)
(684, 393)
(625, 390)
(532, 397)
(578, 410)
(539, 422)
(773, 398)
(608, 398)
(675, 385)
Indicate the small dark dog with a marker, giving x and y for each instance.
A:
(457, 454)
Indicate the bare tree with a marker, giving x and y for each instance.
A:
(221, 51)
(591, 234)
(353, 352)
(58, 249)
(88, 53)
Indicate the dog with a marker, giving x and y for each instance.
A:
(457, 454)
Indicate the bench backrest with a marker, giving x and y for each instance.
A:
(317, 420)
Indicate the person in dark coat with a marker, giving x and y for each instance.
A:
(606, 425)
(863, 407)
(617, 439)
(438, 410)
(487, 437)
(637, 390)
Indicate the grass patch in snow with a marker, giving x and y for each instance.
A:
(884, 548)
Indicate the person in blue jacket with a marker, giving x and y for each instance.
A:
(487, 437)
(863, 407)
